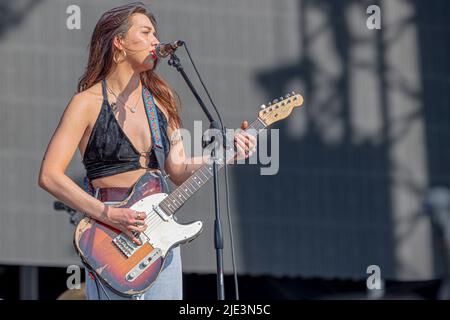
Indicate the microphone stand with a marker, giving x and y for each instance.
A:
(174, 61)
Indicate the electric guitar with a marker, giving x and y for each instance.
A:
(131, 269)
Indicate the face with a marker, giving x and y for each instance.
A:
(139, 43)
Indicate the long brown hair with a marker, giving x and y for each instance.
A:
(116, 22)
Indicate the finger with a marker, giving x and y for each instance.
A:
(248, 138)
(138, 228)
(251, 137)
(252, 144)
(244, 125)
(249, 143)
(241, 144)
(242, 138)
(139, 215)
(137, 223)
(133, 237)
(240, 151)
(238, 135)
(239, 148)
(143, 216)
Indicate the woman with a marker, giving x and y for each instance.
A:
(107, 121)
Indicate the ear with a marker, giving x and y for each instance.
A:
(117, 42)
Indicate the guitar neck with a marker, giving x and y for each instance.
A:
(199, 178)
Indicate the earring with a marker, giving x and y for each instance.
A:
(124, 53)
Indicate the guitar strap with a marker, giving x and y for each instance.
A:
(153, 122)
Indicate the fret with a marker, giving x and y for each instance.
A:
(205, 171)
(198, 179)
(208, 169)
(170, 208)
(195, 178)
(185, 189)
(174, 199)
(191, 189)
(200, 171)
(188, 181)
(180, 195)
(164, 207)
(258, 124)
(184, 195)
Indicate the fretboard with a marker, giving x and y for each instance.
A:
(199, 178)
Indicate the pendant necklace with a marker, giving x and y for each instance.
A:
(114, 104)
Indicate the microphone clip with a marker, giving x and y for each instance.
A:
(163, 50)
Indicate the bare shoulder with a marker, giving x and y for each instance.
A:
(84, 107)
(71, 129)
(87, 102)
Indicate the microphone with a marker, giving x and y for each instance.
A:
(162, 50)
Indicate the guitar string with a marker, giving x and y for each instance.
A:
(157, 221)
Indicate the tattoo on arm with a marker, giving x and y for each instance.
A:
(176, 137)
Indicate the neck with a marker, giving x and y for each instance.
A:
(123, 80)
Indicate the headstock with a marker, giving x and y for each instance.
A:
(280, 108)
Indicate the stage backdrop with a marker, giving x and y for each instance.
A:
(354, 162)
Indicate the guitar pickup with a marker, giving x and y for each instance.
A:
(161, 213)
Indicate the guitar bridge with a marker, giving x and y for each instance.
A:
(125, 245)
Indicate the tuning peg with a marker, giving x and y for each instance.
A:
(263, 106)
(293, 93)
(288, 95)
(281, 98)
(275, 101)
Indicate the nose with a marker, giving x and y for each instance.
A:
(155, 41)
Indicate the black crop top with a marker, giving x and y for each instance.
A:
(109, 151)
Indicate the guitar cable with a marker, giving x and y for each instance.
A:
(236, 284)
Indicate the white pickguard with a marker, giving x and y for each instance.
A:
(164, 234)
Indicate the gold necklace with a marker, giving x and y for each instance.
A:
(114, 104)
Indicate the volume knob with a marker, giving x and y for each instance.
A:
(144, 263)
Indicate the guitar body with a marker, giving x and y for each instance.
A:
(125, 267)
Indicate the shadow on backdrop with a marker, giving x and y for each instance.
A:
(331, 209)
